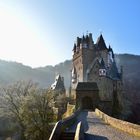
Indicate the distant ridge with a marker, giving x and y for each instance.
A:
(12, 71)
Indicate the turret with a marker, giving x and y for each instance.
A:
(74, 75)
(87, 39)
(110, 56)
(74, 49)
(83, 39)
(91, 43)
(78, 41)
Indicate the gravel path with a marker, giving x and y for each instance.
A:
(97, 129)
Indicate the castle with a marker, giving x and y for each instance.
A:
(96, 81)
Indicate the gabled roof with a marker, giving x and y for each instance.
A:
(58, 84)
(87, 86)
(101, 43)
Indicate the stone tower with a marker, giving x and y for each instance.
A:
(83, 55)
(95, 62)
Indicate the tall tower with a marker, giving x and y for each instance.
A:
(83, 55)
(95, 63)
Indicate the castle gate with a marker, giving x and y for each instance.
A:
(87, 103)
(87, 95)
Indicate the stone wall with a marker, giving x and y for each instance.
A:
(120, 124)
(70, 110)
(105, 106)
(105, 88)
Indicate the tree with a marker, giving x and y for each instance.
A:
(30, 107)
(38, 115)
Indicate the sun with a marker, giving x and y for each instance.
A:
(19, 41)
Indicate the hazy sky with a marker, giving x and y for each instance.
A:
(42, 32)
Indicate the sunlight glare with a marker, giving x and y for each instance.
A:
(19, 42)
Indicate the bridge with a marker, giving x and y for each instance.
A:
(89, 126)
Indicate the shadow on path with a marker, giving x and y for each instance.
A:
(96, 129)
(83, 118)
(94, 137)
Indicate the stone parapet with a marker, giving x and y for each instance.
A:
(120, 124)
(70, 110)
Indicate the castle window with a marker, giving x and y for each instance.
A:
(102, 72)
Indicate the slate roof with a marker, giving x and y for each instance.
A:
(101, 43)
(58, 84)
(110, 50)
(113, 72)
(87, 86)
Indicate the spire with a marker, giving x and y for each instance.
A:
(78, 41)
(109, 48)
(101, 43)
(113, 56)
(90, 39)
(87, 39)
(74, 48)
(83, 38)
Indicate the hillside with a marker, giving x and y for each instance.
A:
(131, 72)
(12, 71)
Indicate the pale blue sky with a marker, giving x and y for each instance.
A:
(42, 32)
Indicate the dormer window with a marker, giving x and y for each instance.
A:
(102, 72)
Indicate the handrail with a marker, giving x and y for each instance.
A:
(79, 134)
(61, 125)
(56, 131)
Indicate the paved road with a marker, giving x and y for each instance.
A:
(96, 129)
